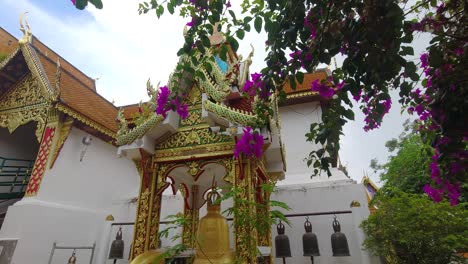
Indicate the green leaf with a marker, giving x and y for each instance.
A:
(240, 34)
(81, 4)
(406, 51)
(233, 42)
(233, 15)
(258, 24)
(300, 77)
(170, 8)
(96, 3)
(292, 82)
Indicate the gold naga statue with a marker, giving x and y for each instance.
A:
(212, 245)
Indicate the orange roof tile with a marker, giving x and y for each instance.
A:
(8, 43)
(52, 55)
(78, 96)
(305, 85)
(130, 111)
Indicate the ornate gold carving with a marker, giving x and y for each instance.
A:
(194, 168)
(25, 93)
(194, 118)
(202, 151)
(13, 120)
(64, 131)
(193, 137)
(141, 222)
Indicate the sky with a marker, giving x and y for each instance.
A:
(122, 49)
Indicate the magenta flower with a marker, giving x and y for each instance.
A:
(74, 2)
(181, 108)
(387, 105)
(228, 5)
(459, 51)
(435, 194)
(357, 97)
(191, 23)
(161, 101)
(424, 60)
(324, 90)
(250, 144)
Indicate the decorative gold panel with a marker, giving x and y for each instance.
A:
(26, 93)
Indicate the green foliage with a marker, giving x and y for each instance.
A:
(407, 170)
(410, 228)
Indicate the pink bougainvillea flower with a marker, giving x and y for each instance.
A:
(323, 90)
(161, 101)
(250, 144)
(435, 194)
(228, 5)
(424, 60)
(181, 108)
(74, 2)
(191, 23)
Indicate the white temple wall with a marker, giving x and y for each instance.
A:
(295, 123)
(72, 203)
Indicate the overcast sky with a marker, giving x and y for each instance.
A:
(123, 49)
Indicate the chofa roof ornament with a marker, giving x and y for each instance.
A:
(27, 35)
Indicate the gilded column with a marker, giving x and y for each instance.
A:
(140, 239)
(189, 231)
(245, 214)
(158, 186)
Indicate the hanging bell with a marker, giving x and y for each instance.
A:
(117, 247)
(338, 240)
(72, 259)
(283, 249)
(309, 241)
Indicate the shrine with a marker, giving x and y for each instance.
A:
(186, 155)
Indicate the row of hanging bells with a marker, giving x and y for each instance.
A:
(309, 241)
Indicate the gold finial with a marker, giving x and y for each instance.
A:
(110, 218)
(27, 35)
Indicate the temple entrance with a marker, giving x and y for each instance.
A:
(18, 152)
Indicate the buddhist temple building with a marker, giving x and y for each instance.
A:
(83, 179)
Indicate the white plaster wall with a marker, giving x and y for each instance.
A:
(295, 123)
(72, 203)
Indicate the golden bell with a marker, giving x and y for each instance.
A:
(212, 245)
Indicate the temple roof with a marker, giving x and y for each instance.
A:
(302, 93)
(77, 94)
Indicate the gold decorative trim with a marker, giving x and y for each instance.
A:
(64, 131)
(300, 95)
(202, 151)
(64, 109)
(5, 61)
(32, 60)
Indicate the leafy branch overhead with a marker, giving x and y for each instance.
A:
(375, 38)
